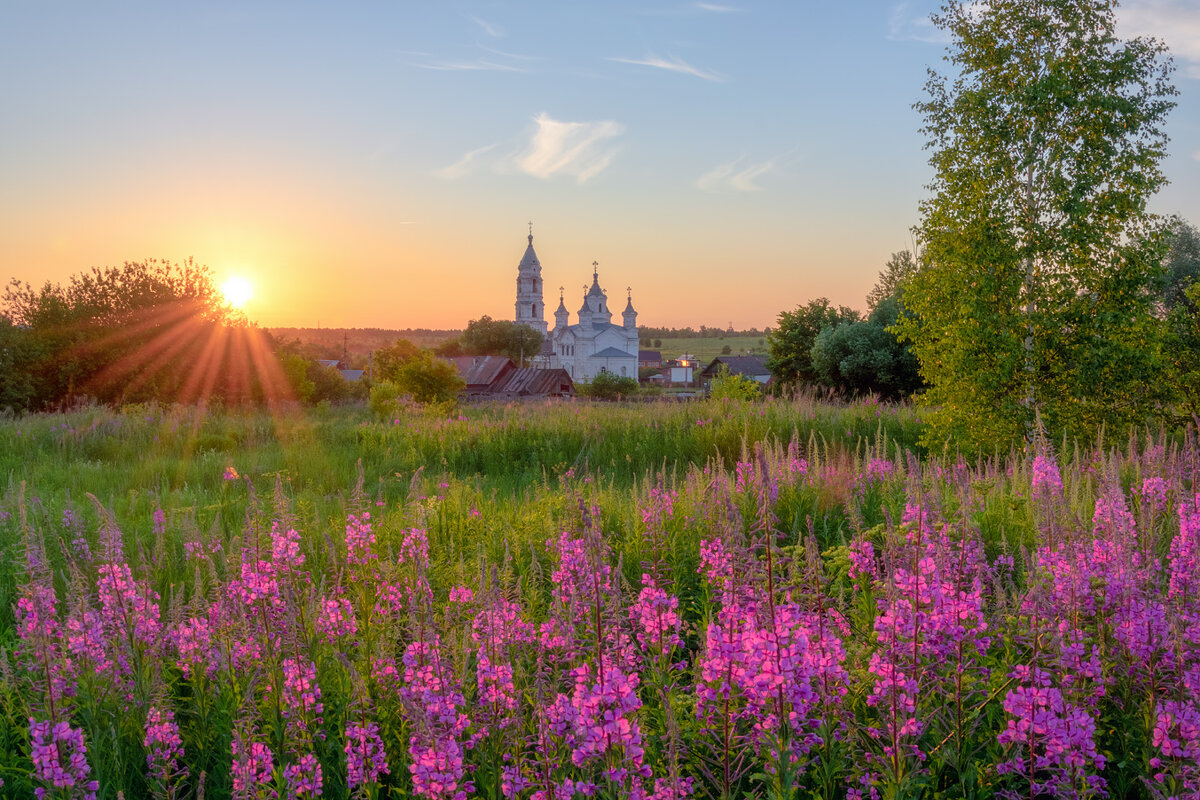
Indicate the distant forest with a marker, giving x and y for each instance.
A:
(355, 344)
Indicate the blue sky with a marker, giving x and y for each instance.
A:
(375, 164)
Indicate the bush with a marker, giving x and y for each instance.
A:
(727, 386)
(607, 386)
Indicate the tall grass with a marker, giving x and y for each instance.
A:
(738, 536)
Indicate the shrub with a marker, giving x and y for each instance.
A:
(607, 386)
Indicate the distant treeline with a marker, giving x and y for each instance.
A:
(703, 332)
(354, 344)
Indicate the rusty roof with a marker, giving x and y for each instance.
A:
(482, 371)
(534, 381)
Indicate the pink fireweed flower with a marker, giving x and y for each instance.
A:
(163, 746)
(360, 538)
(285, 548)
(414, 548)
(661, 506)
(656, 614)
(336, 619)
(192, 640)
(1154, 493)
(878, 470)
(253, 767)
(1184, 583)
(716, 564)
(60, 760)
(496, 630)
(604, 722)
(1046, 480)
(496, 688)
(259, 583)
(1177, 730)
(301, 693)
(365, 758)
(41, 639)
(862, 562)
(304, 777)
(437, 769)
(461, 594)
(434, 704)
(128, 605)
(87, 639)
(1052, 739)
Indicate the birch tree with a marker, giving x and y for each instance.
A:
(1035, 302)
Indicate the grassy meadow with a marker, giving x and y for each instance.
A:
(707, 348)
(781, 598)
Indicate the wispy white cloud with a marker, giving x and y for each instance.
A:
(479, 65)
(719, 9)
(491, 60)
(465, 165)
(511, 56)
(581, 149)
(736, 176)
(1175, 22)
(672, 64)
(495, 31)
(905, 24)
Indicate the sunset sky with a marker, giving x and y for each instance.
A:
(375, 164)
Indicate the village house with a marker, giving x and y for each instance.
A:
(498, 377)
(754, 367)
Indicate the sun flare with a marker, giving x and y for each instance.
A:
(237, 291)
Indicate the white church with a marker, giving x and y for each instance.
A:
(592, 345)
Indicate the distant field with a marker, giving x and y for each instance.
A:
(708, 349)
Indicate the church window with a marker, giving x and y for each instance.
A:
(622, 372)
(533, 309)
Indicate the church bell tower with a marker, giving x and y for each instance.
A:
(530, 309)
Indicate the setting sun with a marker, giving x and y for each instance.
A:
(237, 291)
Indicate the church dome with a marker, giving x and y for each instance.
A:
(595, 291)
(530, 258)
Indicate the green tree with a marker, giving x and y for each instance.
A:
(449, 348)
(866, 357)
(1036, 293)
(891, 279)
(144, 330)
(387, 361)
(18, 359)
(499, 337)
(790, 343)
(1182, 264)
(427, 379)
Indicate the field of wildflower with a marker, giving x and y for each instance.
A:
(776, 599)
